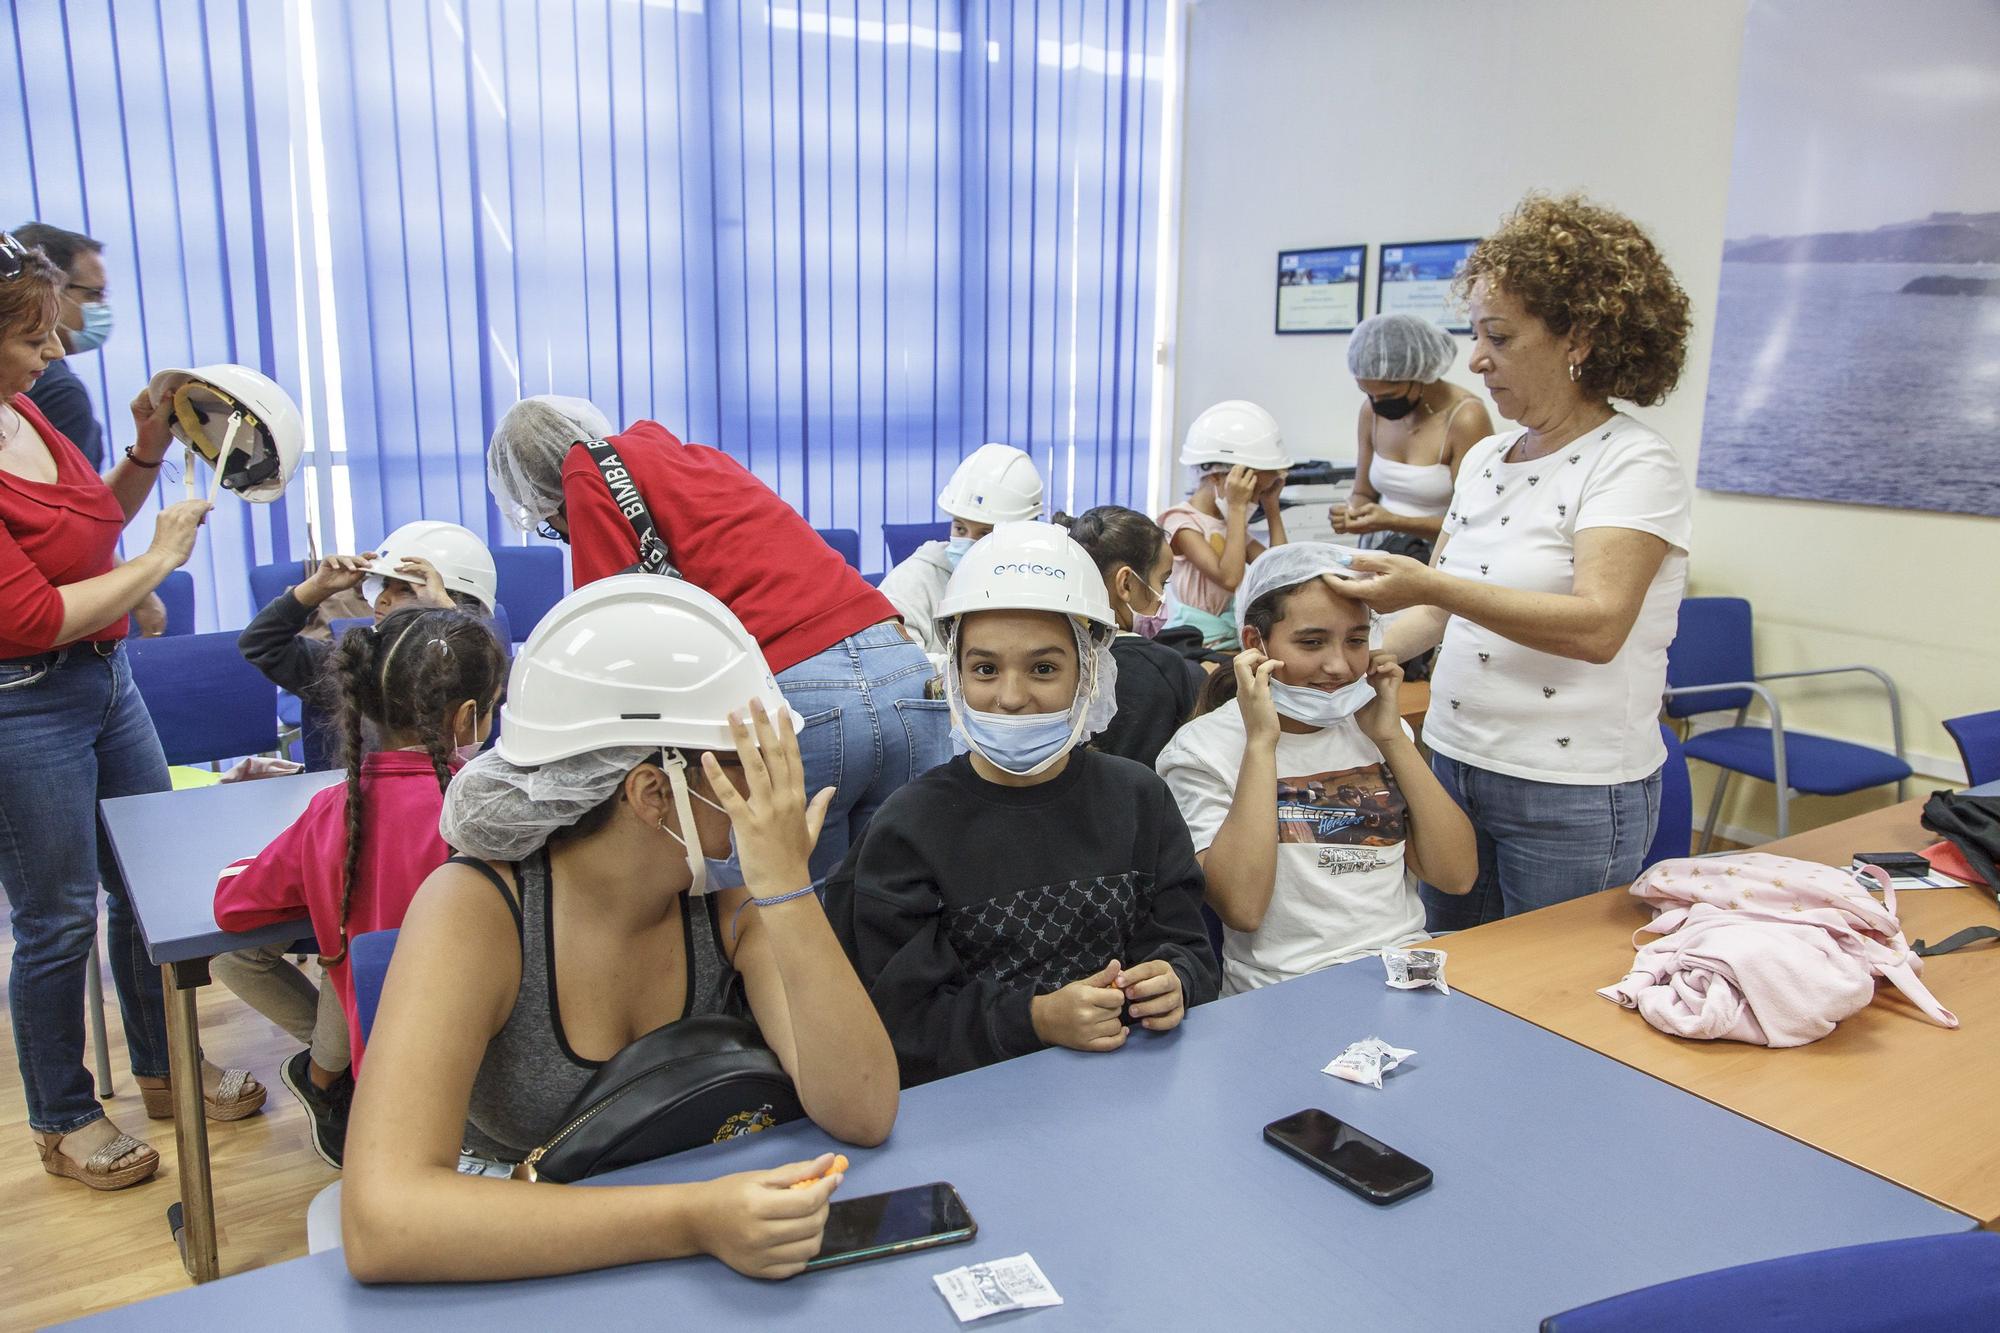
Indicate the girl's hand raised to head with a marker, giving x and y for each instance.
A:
(1253, 696)
(1381, 718)
(775, 827)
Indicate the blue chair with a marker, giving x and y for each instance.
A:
(904, 538)
(267, 581)
(1711, 668)
(1978, 738)
(1674, 834)
(368, 961)
(177, 595)
(207, 702)
(530, 582)
(1925, 1282)
(844, 540)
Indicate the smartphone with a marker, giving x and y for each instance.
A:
(1339, 1151)
(1907, 865)
(876, 1226)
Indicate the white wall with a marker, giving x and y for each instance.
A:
(1310, 122)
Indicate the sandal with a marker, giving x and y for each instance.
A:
(99, 1171)
(237, 1096)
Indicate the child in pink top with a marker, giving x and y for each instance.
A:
(423, 683)
(1212, 545)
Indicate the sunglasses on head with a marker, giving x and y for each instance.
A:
(13, 257)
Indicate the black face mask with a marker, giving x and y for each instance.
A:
(1395, 409)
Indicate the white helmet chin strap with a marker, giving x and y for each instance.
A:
(222, 456)
(689, 838)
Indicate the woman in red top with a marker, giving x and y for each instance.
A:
(840, 656)
(73, 731)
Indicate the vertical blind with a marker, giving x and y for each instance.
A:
(846, 242)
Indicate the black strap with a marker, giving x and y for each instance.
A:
(1950, 943)
(493, 878)
(653, 555)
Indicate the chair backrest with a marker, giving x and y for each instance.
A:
(1978, 737)
(904, 538)
(368, 963)
(1674, 835)
(206, 701)
(1925, 1282)
(1711, 645)
(844, 540)
(529, 583)
(267, 581)
(177, 595)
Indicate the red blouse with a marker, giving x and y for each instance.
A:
(52, 534)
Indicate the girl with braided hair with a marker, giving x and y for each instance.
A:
(417, 693)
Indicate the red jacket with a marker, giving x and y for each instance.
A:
(52, 534)
(302, 869)
(729, 534)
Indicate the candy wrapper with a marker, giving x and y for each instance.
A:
(1414, 969)
(996, 1286)
(1366, 1061)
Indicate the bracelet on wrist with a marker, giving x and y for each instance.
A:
(736, 920)
(132, 457)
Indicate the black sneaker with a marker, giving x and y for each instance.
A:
(326, 1109)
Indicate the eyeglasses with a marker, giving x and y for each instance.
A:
(13, 257)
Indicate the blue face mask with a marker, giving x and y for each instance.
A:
(96, 327)
(1321, 708)
(726, 873)
(1018, 743)
(955, 549)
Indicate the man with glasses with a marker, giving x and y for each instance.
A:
(83, 326)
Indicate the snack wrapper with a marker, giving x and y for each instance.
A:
(1414, 969)
(1366, 1061)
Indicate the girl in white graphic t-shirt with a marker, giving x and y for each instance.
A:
(1308, 801)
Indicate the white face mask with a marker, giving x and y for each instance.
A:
(1321, 708)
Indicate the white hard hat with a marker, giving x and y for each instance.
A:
(459, 557)
(997, 483)
(240, 412)
(634, 659)
(1027, 567)
(1236, 433)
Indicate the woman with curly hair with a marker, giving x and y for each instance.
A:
(1557, 578)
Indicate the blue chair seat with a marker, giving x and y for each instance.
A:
(1814, 764)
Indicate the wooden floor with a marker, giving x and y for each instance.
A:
(67, 1251)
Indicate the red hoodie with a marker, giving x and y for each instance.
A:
(729, 534)
(302, 868)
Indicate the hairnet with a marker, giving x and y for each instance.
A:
(1400, 347)
(1290, 565)
(498, 811)
(525, 459)
(1096, 679)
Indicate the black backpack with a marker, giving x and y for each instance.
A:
(1971, 824)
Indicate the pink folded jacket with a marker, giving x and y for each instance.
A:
(1765, 949)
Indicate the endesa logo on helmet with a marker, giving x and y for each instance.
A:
(1045, 571)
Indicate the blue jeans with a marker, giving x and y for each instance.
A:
(1541, 843)
(70, 735)
(869, 729)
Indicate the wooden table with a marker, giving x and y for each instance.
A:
(1414, 700)
(1887, 1091)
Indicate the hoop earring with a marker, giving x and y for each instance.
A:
(1575, 371)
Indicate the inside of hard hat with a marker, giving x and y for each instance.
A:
(202, 413)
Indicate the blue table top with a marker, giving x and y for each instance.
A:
(170, 846)
(1141, 1183)
(1983, 789)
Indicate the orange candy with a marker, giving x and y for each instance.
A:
(839, 1167)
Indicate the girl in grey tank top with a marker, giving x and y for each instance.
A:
(530, 1076)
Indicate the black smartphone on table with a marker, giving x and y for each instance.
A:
(1896, 865)
(875, 1226)
(1347, 1156)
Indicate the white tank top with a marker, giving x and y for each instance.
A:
(1415, 490)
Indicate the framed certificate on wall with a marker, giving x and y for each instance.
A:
(1319, 291)
(1415, 279)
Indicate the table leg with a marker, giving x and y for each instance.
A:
(198, 1251)
(100, 1045)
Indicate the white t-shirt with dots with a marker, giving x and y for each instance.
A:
(1502, 707)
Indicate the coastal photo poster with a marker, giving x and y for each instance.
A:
(1319, 291)
(1857, 335)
